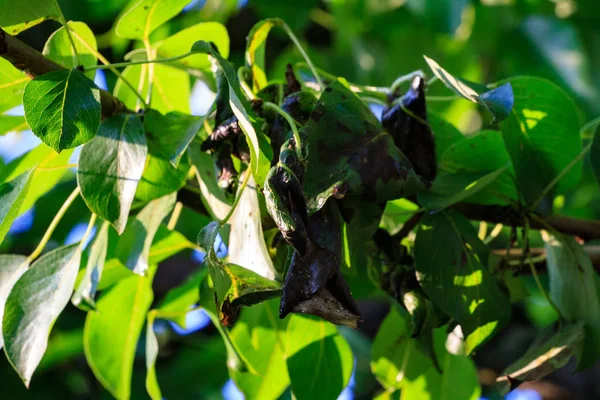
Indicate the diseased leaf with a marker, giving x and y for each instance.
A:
(234, 286)
(12, 82)
(62, 108)
(58, 47)
(84, 296)
(111, 333)
(19, 15)
(11, 268)
(575, 291)
(456, 279)
(12, 123)
(351, 154)
(182, 41)
(260, 151)
(141, 17)
(133, 249)
(315, 345)
(12, 195)
(34, 304)
(542, 136)
(549, 352)
(260, 337)
(499, 101)
(170, 88)
(449, 189)
(110, 167)
(172, 133)
(246, 240)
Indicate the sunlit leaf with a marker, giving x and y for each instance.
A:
(212, 196)
(111, 333)
(19, 15)
(12, 123)
(110, 167)
(141, 17)
(62, 108)
(152, 386)
(12, 195)
(34, 304)
(58, 48)
(11, 268)
(84, 296)
(12, 82)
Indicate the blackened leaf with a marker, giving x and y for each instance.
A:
(110, 167)
(86, 290)
(498, 101)
(454, 276)
(11, 268)
(549, 352)
(574, 289)
(234, 286)
(542, 136)
(134, 245)
(111, 333)
(449, 189)
(315, 345)
(34, 304)
(12, 195)
(260, 151)
(349, 153)
(172, 133)
(62, 108)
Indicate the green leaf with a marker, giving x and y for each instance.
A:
(595, 156)
(182, 41)
(12, 195)
(19, 15)
(134, 245)
(152, 386)
(260, 151)
(259, 335)
(315, 345)
(179, 300)
(344, 140)
(110, 167)
(255, 50)
(499, 101)
(12, 82)
(234, 286)
(549, 352)
(111, 334)
(396, 357)
(86, 290)
(170, 88)
(141, 17)
(34, 304)
(574, 290)
(11, 268)
(445, 133)
(542, 136)
(212, 197)
(49, 166)
(58, 48)
(171, 134)
(449, 189)
(160, 178)
(483, 151)
(62, 108)
(11, 123)
(456, 279)
(246, 239)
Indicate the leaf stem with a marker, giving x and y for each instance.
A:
(291, 122)
(561, 175)
(244, 85)
(150, 57)
(68, 30)
(405, 78)
(128, 63)
(88, 231)
(237, 199)
(175, 216)
(40, 247)
(294, 39)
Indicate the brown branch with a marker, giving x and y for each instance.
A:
(25, 58)
(593, 251)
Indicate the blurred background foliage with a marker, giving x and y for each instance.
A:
(369, 42)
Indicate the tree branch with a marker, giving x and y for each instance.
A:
(25, 58)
